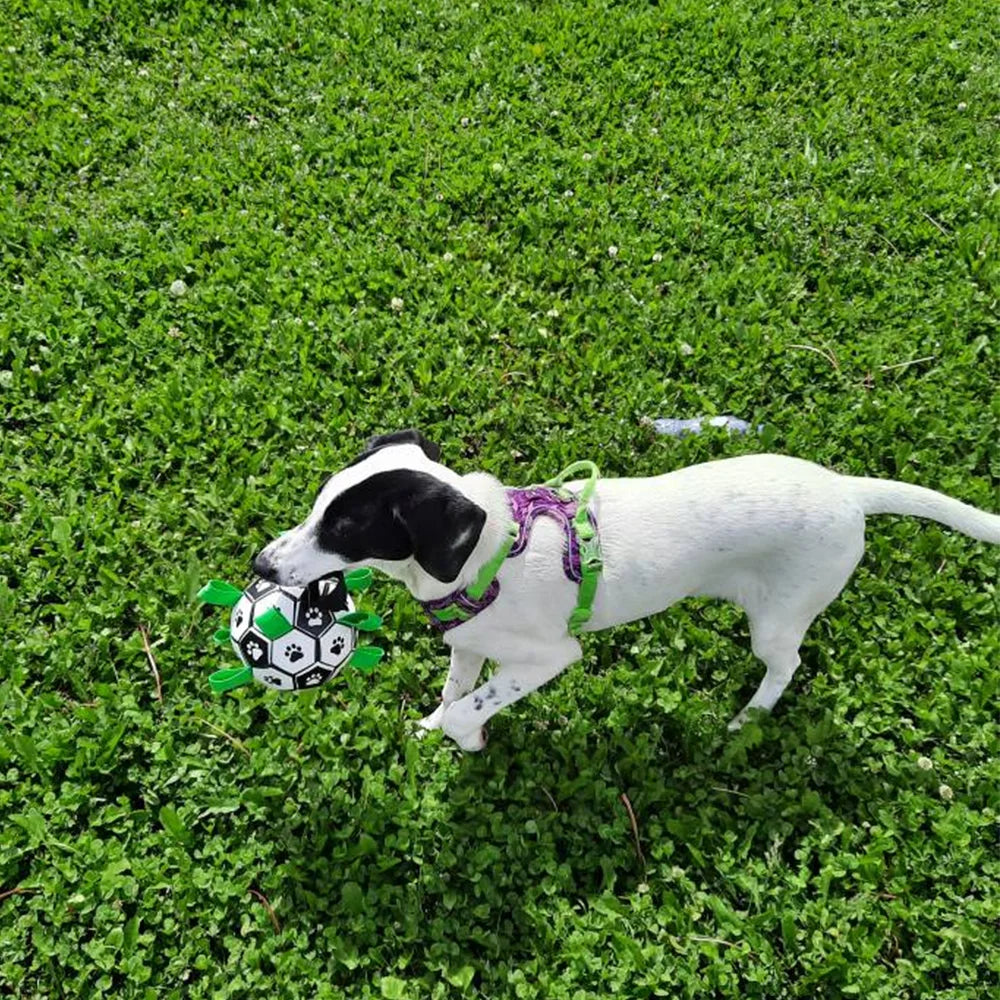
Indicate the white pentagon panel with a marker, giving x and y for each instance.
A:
(293, 653)
(335, 645)
(240, 618)
(280, 599)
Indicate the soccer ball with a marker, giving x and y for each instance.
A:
(312, 651)
(293, 638)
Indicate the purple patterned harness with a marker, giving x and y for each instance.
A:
(526, 505)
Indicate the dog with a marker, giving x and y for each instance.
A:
(778, 536)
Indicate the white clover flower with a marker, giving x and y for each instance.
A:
(962, 105)
(945, 792)
(464, 122)
(568, 193)
(588, 156)
(612, 251)
(924, 763)
(685, 348)
(178, 288)
(553, 313)
(497, 167)
(396, 304)
(447, 256)
(657, 257)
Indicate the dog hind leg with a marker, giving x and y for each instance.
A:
(781, 613)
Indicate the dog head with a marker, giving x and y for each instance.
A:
(393, 506)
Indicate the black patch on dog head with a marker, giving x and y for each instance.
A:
(401, 514)
(411, 436)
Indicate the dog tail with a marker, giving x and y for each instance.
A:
(886, 496)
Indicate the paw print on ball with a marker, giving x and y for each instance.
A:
(294, 652)
(335, 645)
(254, 650)
(275, 679)
(313, 618)
(313, 677)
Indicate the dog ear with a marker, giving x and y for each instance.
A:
(443, 526)
(410, 436)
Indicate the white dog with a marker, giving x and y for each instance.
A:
(777, 535)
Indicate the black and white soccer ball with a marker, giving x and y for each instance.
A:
(313, 651)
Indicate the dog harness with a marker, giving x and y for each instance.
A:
(581, 555)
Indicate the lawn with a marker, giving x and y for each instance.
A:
(236, 239)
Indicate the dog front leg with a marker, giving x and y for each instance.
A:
(464, 720)
(462, 676)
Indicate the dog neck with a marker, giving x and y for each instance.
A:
(489, 494)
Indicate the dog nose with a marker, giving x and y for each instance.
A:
(263, 567)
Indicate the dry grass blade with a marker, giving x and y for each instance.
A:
(548, 795)
(268, 907)
(729, 791)
(19, 891)
(906, 364)
(934, 222)
(823, 352)
(239, 744)
(144, 632)
(635, 829)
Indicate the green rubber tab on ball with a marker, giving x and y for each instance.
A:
(222, 636)
(219, 593)
(231, 677)
(363, 621)
(358, 580)
(273, 623)
(366, 658)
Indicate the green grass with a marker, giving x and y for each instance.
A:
(817, 173)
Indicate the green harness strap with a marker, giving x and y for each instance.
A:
(591, 563)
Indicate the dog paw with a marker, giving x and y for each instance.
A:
(744, 715)
(433, 721)
(472, 742)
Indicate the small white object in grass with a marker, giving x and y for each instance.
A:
(962, 105)
(396, 304)
(588, 156)
(945, 792)
(553, 313)
(464, 122)
(568, 193)
(6, 378)
(497, 168)
(968, 166)
(924, 763)
(612, 251)
(178, 288)
(657, 257)
(685, 348)
(447, 256)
